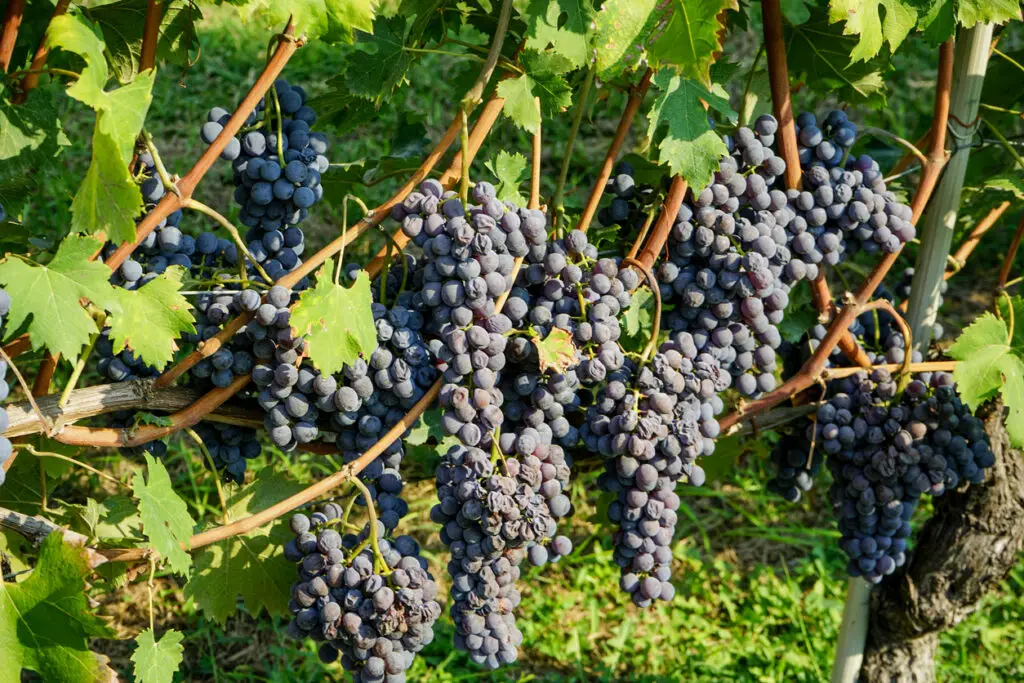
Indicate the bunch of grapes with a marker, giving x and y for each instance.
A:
(491, 512)
(796, 461)
(651, 424)
(277, 162)
(376, 611)
(885, 451)
(728, 259)
(5, 444)
(631, 203)
(844, 205)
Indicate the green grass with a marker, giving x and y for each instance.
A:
(760, 584)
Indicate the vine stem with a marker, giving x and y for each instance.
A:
(476, 93)
(100, 317)
(662, 229)
(1011, 254)
(903, 142)
(535, 162)
(161, 170)
(959, 259)
(652, 282)
(466, 161)
(171, 202)
(44, 376)
(232, 230)
(213, 468)
(636, 98)
(43, 422)
(47, 454)
(31, 79)
(556, 208)
(9, 33)
(151, 34)
(371, 512)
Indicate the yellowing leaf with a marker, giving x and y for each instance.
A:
(157, 661)
(46, 620)
(562, 24)
(108, 199)
(165, 518)
(336, 321)
(250, 565)
(151, 318)
(556, 351)
(622, 30)
(331, 21)
(50, 295)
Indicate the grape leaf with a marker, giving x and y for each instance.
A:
(374, 74)
(544, 78)
(562, 24)
(796, 12)
(555, 351)
(971, 12)
(510, 170)
(427, 427)
(862, 19)
(31, 135)
(937, 22)
(115, 518)
(981, 350)
(1012, 369)
(819, 54)
(336, 321)
(622, 29)
(331, 21)
(1016, 309)
(50, 295)
(157, 661)
(121, 24)
(165, 517)
(679, 122)
(249, 565)
(108, 199)
(151, 318)
(691, 37)
(46, 620)
(1007, 182)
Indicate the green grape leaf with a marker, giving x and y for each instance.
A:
(375, 73)
(555, 351)
(679, 123)
(981, 350)
(165, 517)
(46, 621)
(691, 37)
(108, 199)
(638, 321)
(151, 318)
(1007, 182)
(622, 30)
(336, 321)
(544, 79)
(510, 170)
(50, 294)
(330, 21)
(1012, 391)
(938, 22)
(820, 55)
(862, 19)
(114, 518)
(31, 137)
(426, 428)
(1015, 307)
(157, 661)
(971, 12)
(797, 12)
(564, 25)
(250, 565)
(121, 25)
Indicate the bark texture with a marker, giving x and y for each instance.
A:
(964, 551)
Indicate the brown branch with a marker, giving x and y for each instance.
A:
(662, 229)
(36, 528)
(636, 98)
(778, 77)
(908, 158)
(18, 346)
(171, 201)
(151, 34)
(972, 240)
(9, 34)
(31, 79)
(937, 148)
(41, 385)
(1011, 254)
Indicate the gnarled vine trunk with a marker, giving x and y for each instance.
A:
(964, 551)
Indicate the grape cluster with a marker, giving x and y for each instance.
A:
(728, 262)
(885, 451)
(796, 462)
(842, 208)
(230, 447)
(277, 165)
(630, 203)
(376, 611)
(492, 513)
(5, 444)
(651, 424)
